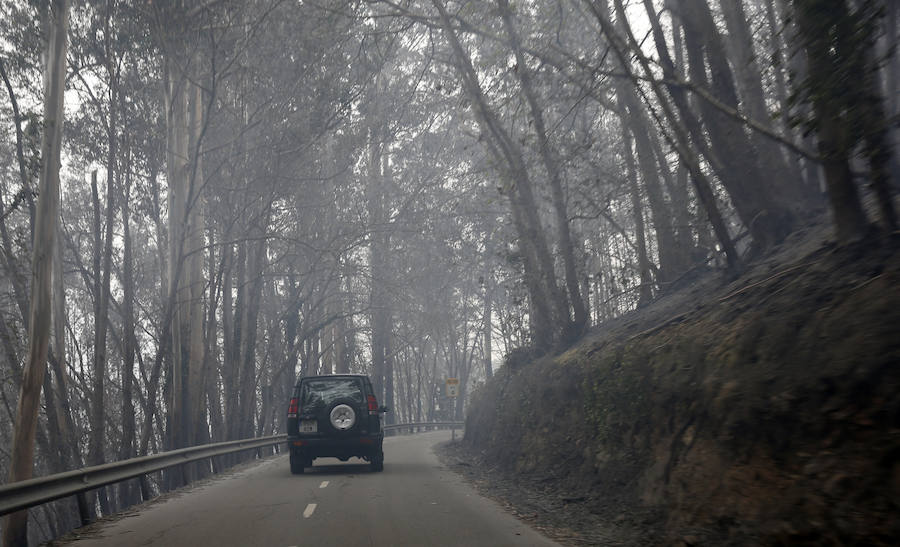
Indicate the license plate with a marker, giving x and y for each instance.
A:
(307, 426)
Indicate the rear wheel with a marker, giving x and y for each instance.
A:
(377, 460)
(298, 463)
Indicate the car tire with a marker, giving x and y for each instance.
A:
(378, 461)
(298, 464)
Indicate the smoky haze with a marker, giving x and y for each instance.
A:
(204, 201)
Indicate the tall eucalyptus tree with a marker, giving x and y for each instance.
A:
(15, 525)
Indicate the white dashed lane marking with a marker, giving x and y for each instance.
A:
(324, 484)
(310, 509)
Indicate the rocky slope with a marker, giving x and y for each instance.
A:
(764, 410)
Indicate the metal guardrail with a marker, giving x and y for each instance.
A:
(24, 494)
(426, 425)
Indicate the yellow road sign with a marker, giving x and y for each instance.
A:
(452, 387)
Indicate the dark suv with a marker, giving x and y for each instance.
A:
(334, 416)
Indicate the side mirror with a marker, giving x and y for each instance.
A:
(383, 409)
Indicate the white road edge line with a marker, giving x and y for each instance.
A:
(310, 509)
(324, 484)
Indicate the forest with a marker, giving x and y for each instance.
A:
(203, 200)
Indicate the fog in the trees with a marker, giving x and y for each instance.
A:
(254, 191)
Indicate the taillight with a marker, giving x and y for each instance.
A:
(373, 404)
(293, 407)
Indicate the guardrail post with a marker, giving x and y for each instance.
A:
(145, 488)
(84, 512)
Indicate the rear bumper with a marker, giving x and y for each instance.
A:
(318, 447)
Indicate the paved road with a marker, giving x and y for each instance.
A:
(414, 501)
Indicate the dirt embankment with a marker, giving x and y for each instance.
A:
(767, 411)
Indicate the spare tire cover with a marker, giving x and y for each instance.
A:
(342, 417)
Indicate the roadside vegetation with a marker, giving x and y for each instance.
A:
(201, 201)
(759, 411)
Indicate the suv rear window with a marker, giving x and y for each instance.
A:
(321, 392)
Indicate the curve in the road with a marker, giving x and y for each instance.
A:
(414, 501)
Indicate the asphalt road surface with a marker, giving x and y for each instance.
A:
(414, 501)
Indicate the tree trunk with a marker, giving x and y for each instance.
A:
(184, 127)
(16, 277)
(778, 47)
(551, 165)
(388, 369)
(152, 387)
(420, 363)
(177, 154)
(748, 80)
(291, 324)
(126, 447)
(198, 430)
(680, 196)
(849, 217)
(213, 393)
(15, 526)
(387, 181)
(680, 142)
(671, 259)
(327, 342)
(231, 276)
(101, 299)
(826, 48)
(702, 186)
(876, 141)
(892, 72)
(341, 358)
(551, 308)
(63, 514)
(256, 260)
(646, 281)
(761, 202)
(377, 248)
(73, 459)
(797, 70)
(487, 318)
